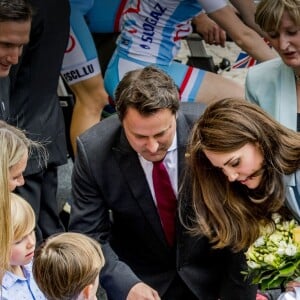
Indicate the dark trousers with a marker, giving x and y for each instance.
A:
(40, 191)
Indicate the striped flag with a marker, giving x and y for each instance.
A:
(244, 60)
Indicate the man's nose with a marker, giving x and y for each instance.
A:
(152, 145)
(13, 55)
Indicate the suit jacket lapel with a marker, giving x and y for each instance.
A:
(183, 130)
(134, 175)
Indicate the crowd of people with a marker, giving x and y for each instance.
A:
(170, 191)
(137, 46)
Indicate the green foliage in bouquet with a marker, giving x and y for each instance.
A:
(274, 258)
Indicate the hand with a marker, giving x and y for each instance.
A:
(142, 291)
(260, 296)
(291, 285)
(211, 32)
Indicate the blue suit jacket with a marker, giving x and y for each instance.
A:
(271, 85)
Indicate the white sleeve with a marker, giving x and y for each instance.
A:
(212, 5)
(290, 295)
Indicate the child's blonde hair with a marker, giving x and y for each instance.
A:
(67, 263)
(22, 217)
(14, 145)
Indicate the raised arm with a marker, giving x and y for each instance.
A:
(245, 37)
(211, 32)
(246, 9)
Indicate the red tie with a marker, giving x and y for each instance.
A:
(166, 200)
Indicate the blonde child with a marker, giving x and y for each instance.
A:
(18, 281)
(15, 150)
(67, 266)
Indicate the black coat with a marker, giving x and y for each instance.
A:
(4, 98)
(34, 104)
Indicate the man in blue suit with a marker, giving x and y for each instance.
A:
(115, 202)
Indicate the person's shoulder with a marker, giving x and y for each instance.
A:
(191, 110)
(268, 71)
(103, 133)
(108, 125)
(265, 66)
(8, 282)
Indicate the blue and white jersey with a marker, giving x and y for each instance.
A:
(87, 16)
(151, 33)
(152, 30)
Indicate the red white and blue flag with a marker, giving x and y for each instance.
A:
(244, 60)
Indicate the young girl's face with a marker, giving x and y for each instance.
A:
(23, 250)
(243, 165)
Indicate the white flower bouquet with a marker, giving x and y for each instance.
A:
(274, 258)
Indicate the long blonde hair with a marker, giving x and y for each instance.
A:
(14, 145)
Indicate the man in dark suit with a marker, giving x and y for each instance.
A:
(34, 107)
(115, 201)
(15, 24)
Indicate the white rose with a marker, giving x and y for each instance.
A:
(259, 242)
(276, 237)
(281, 251)
(290, 250)
(270, 259)
(276, 218)
(253, 265)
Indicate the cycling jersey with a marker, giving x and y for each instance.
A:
(81, 58)
(150, 33)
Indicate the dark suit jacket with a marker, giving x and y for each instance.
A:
(34, 104)
(108, 177)
(4, 98)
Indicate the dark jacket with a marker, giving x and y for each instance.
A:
(4, 98)
(34, 104)
(109, 184)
